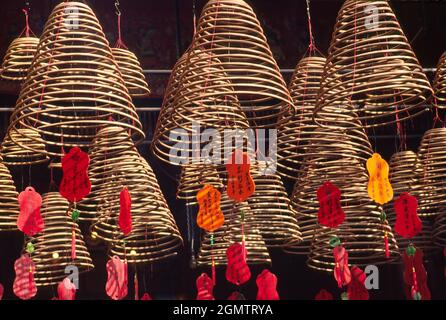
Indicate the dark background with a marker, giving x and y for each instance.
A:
(159, 32)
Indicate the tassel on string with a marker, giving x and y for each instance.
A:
(135, 281)
(386, 245)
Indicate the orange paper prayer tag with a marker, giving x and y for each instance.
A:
(240, 182)
(379, 187)
(210, 217)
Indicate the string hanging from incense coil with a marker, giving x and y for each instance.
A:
(372, 58)
(132, 73)
(440, 82)
(73, 91)
(14, 155)
(295, 128)
(111, 146)
(230, 32)
(231, 232)
(401, 176)
(269, 205)
(429, 186)
(18, 58)
(154, 234)
(193, 178)
(56, 239)
(9, 205)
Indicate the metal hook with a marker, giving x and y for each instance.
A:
(118, 12)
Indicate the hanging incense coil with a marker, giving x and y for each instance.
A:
(429, 186)
(160, 145)
(74, 90)
(14, 155)
(193, 178)
(439, 231)
(132, 72)
(111, 146)
(296, 128)
(154, 234)
(440, 82)
(9, 205)
(373, 60)
(269, 205)
(18, 58)
(53, 246)
(231, 232)
(401, 175)
(204, 101)
(229, 31)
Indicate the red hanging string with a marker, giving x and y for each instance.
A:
(27, 29)
(312, 46)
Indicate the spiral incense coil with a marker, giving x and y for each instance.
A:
(373, 60)
(73, 87)
(296, 128)
(132, 73)
(440, 83)
(270, 208)
(204, 103)
(230, 31)
(401, 176)
(111, 146)
(160, 145)
(18, 58)
(231, 232)
(193, 178)
(14, 155)
(154, 234)
(53, 246)
(9, 205)
(439, 232)
(429, 186)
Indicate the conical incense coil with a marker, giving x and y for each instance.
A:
(193, 178)
(165, 126)
(269, 205)
(205, 104)
(230, 31)
(231, 232)
(110, 147)
(9, 205)
(18, 58)
(154, 234)
(373, 60)
(53, 246)
(401, 176)
(429, 186)
(440, 82)
(14, 155)
(132, 72)
(295, 128)
(73, 87)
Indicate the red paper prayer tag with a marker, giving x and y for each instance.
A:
(341, 270)
(330, 212)
(66, 290)
(240, 182)
(24, 285)
(407, 224)
(125, 213)
(1, 291)
(75, 184)
(415, 275)
(117, 280)
(30, 220)
(205, 287)
(237, 271)
(146, 297)
(379, 187)
(210, 217)
(356, 288)
(324, 295)
(267, 286)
